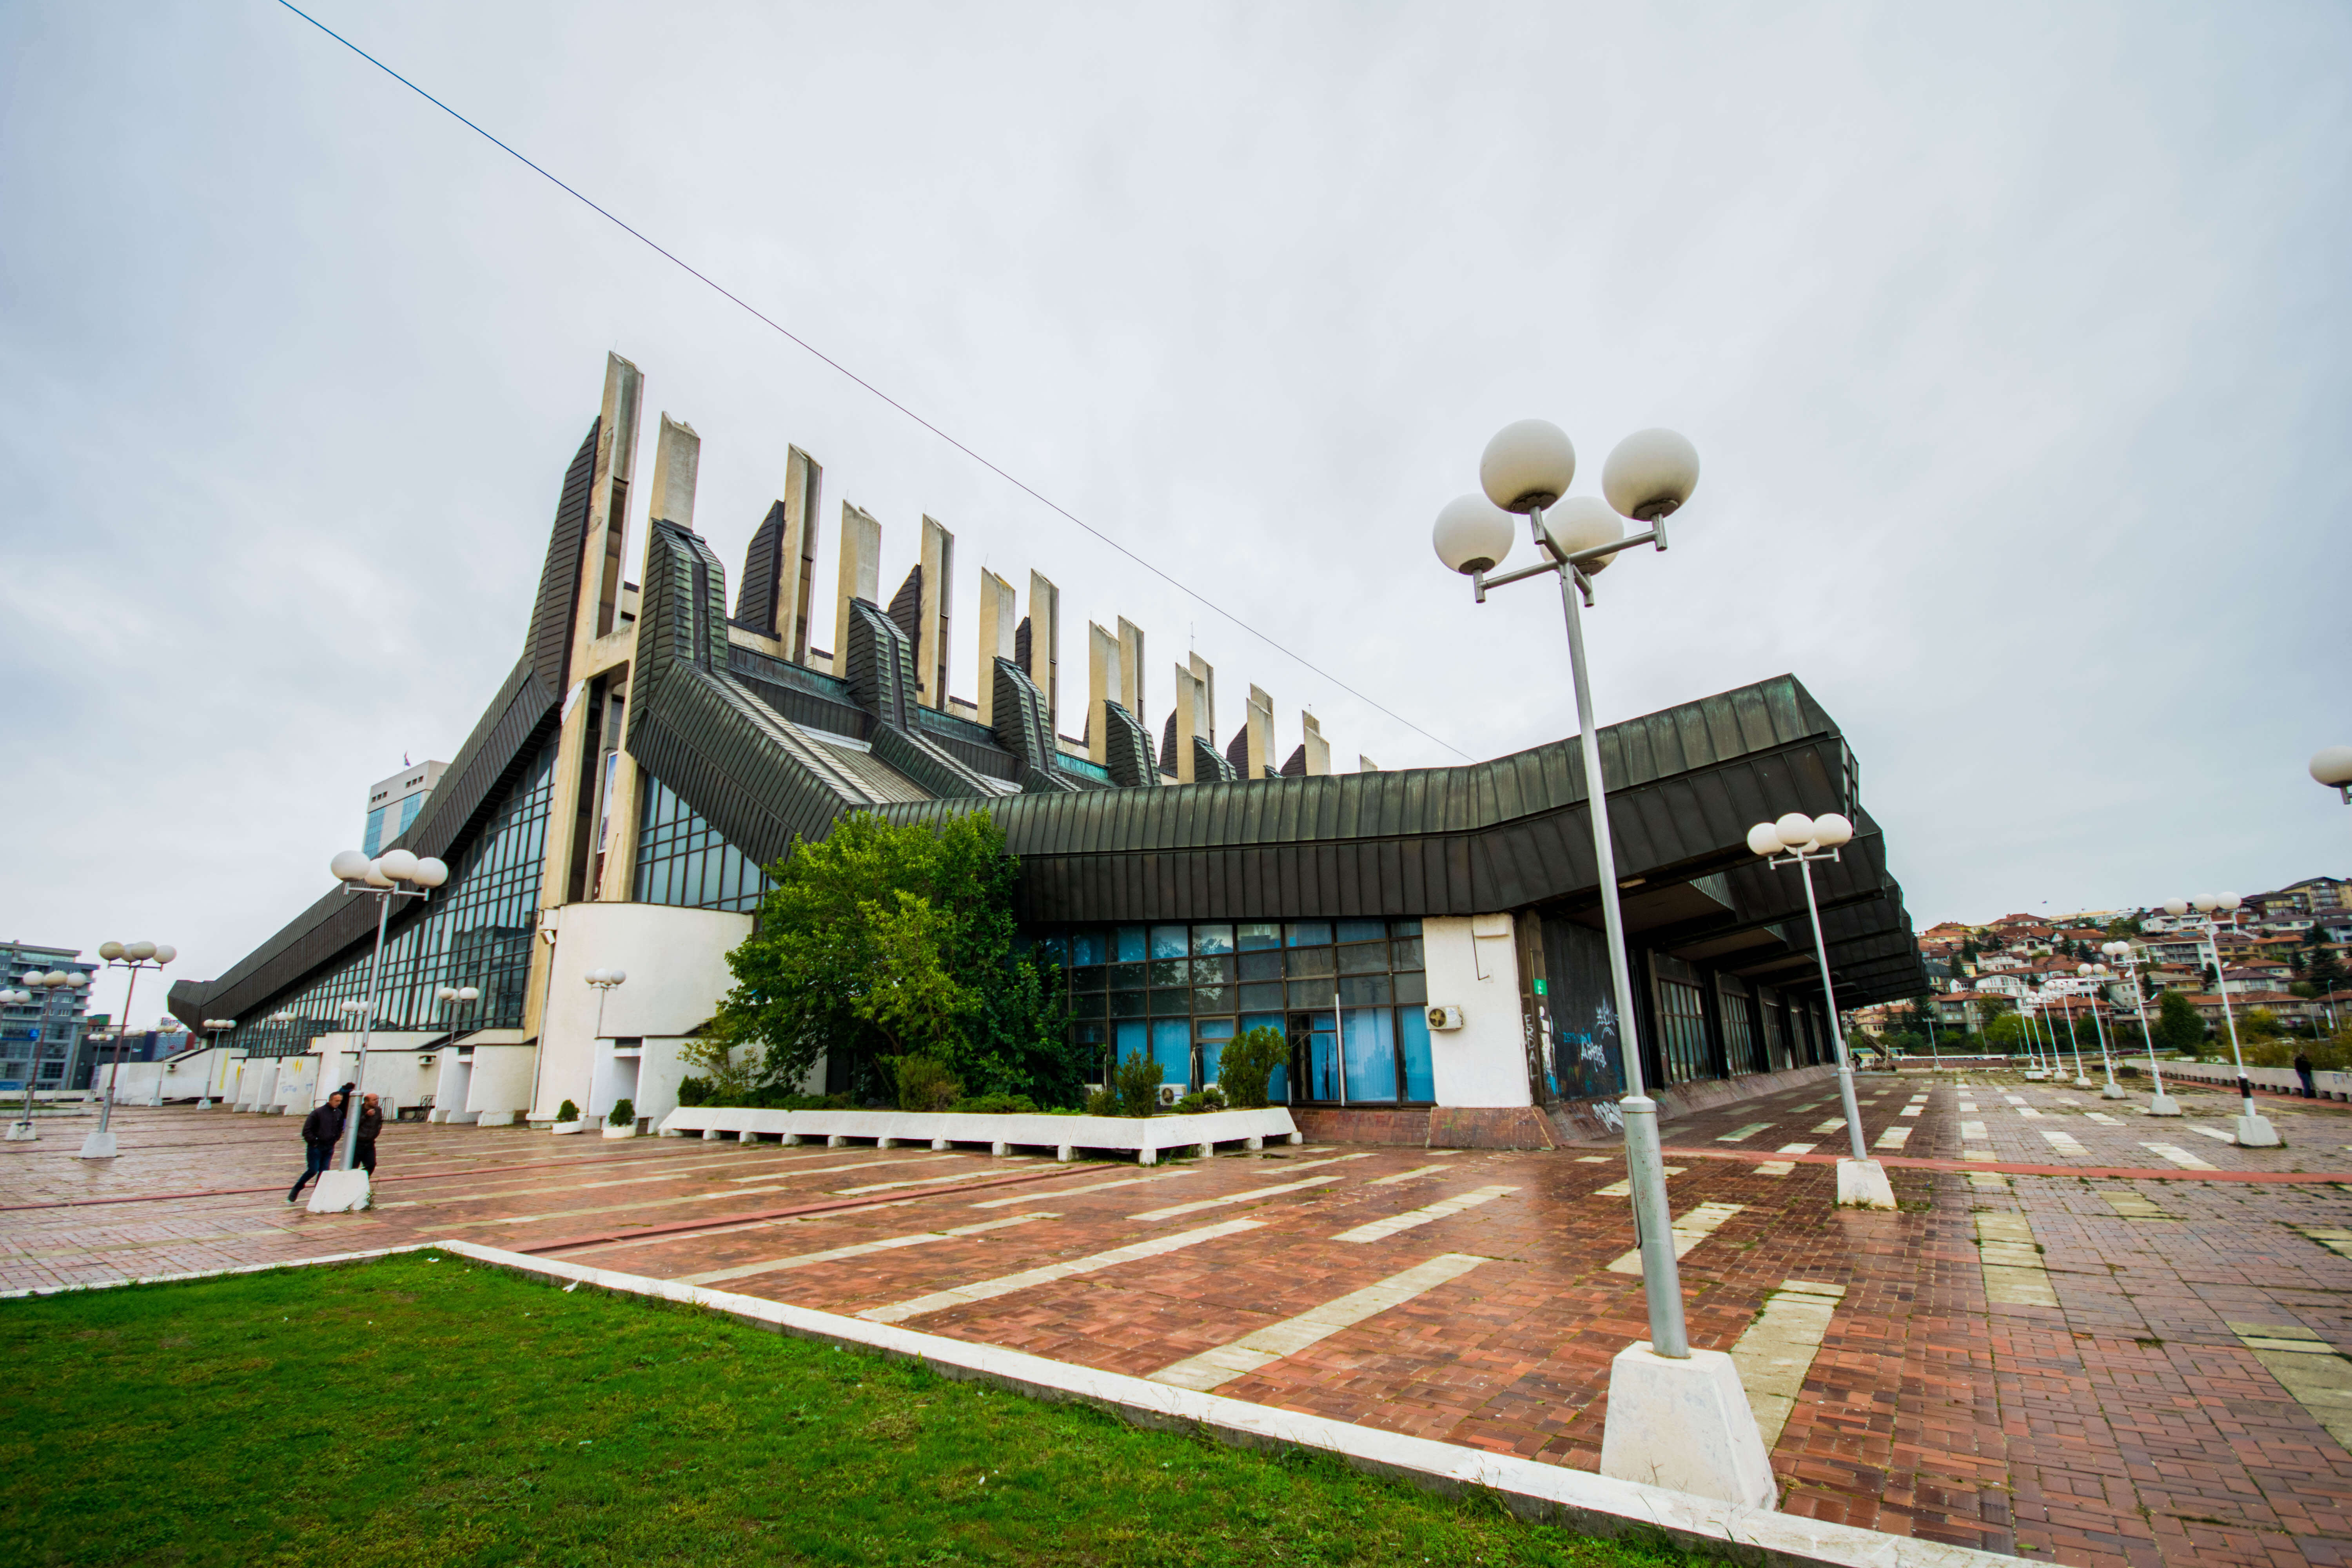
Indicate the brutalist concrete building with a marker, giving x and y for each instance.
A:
(1428, 938)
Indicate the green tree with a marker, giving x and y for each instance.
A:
(2002, 1034)
(2321, 970)
(2178, 1028)
(884, 940)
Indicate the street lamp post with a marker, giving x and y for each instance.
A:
(1800, 840)
(52, 983)
(131, 957)
(2254, 1129)
(1676, 1416)
(2038, 1070)
(2332, 766)
(2121, 955)
(345, 1188)
(2065, 1001)
(2098, 977)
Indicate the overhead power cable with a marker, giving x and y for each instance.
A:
(797, 341)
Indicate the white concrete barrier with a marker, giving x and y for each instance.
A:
(1146, 1137)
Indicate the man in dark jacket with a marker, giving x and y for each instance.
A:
(2302, 1071)
(371, 1123)
(320, 1131)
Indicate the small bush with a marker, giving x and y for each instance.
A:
(2124, 1069)
(923, 1083)
(694, 1092)
(1134, 1086)
(998, 1104)
(1247, 1066)
(1103, 1102)
(1201, 1101)
(624, 1114)
(567, 1112)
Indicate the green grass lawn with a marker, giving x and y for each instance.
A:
(408, 1411)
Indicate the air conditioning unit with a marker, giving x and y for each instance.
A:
(1170, 1093)
(1445, 1017)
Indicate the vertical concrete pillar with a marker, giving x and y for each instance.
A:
(1260, 720)
(677, 456)
(1207, 678)
(797, 564)
(1192, 717)
(604, 546)
(860, 576)
(1317, 749)
(931, 639)
(996, 625)
(1044, 666)
(1365, 764)
(1106, 682)
(1131, 665)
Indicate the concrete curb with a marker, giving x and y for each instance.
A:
(1550, 1494)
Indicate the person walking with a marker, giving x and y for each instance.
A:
(371, 1123)
(320, 1131)
(2302, 1071)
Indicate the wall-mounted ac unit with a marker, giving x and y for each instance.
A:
(1170, 1093)
(1445, 1017)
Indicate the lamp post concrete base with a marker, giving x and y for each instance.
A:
(2255, 1131)
(204, 1104)
(2081, 1081)
(1863, 1184)
(1685, 1425)
(340, 1191)
(22, 1132)
(2163, 1105)
(98, 1146)
(2114, 1091)
(2035, 1074)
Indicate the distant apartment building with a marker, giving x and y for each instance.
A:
(393, 804)
(41, 1039)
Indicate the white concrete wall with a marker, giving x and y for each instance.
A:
(1484, 1062)
(500, 1082)
(256, 1084)
(453, 1080)
(676, 961)
(296, 1089)
(395, 1075)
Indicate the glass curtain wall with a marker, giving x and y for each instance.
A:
(681, 859)
(1683, 1043)
(475, 931)
(1741, 1046)
(1350, 996)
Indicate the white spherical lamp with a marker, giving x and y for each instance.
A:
(1584, 522)
(109, 950)
(80, 981)
(2175, 906)
(2332, 766)
(2228, 903)
(139, 952)
(1650, 474)
(614, 976)
(467, 994)
(444, 994)
(375, 876)
(2204, 903)
(1831, 830)
(1763, 839)
(349, 865)
(165, 953)
(1795, 830)
(1472, 535)
(57, 977)
(430, 872)
(594, 977)
(397, 864)
(1527, 464)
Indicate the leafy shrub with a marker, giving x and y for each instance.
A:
(1201, 1101)
(1103, 1102)
(922, 1083)
(624, 1114)
(567, 1112)
(1247, 1066)
(694, 1092)
(998, 1104)
(1134, 1086)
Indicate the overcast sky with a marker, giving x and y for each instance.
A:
(2013, 339)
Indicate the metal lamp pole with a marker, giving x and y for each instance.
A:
(2098, 976)
(383, 876)
(132, 957)
(1676, 1416)
(1800, 840)
(2254, 1129)
(2065, 993)
(2120, 954)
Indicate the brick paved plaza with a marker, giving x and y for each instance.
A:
(2087, 1336)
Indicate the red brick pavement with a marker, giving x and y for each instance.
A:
(2127, 1424)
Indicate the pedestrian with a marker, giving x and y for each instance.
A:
(320, 1131)
(2302, 1070)
(371, 1123)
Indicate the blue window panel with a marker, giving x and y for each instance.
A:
(1309, 933)
(374, 839)
(1323, 1065)
(1363, 931)
(1172, 1047)
(1413, 1041)
(1211, 939)
(1131, 946)
(1277, 1086)
(408, 810)
(1088, 948)
(1213, 1034)
(1257, 934)
(1169, 941)
(1370, 1034)
(1133, 1038)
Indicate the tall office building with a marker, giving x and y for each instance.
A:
(393, 804)
(41, 1039)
